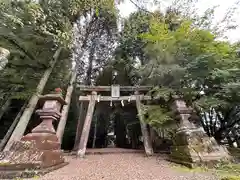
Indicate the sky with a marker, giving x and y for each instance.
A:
(127, 8)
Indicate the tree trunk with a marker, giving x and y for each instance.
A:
(11, 129)
(86, 127)
(4, 108)
(90, 63)
(25, 118)
(63, 119)
(145, 133)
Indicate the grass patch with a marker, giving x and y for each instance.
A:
(186, 169)
(231, 178)
(224, 171)
(228, 171)
(229, 168)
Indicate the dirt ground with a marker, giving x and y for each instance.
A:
(122, 166)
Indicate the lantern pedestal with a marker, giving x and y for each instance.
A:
(39, 151)
(191, 146)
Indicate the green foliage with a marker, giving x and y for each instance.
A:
(188, 56)
(32, 31)
(164, 93)
(157, 116)
(179, 53)
(131, 43)
(207, 103)
(175, 51)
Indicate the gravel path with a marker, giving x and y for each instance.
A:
(121, 167)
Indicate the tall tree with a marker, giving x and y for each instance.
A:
(182, 55)
(33, 37)
(96, 40)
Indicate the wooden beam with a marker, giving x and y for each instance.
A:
(121, 98)
(80, 124)
(86, 128)
(108, 88)
(146, 136)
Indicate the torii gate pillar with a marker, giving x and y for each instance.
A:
(87, 125)
(145, 133)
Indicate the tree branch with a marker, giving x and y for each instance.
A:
(135, 4)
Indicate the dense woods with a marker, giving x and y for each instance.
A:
(63, 43)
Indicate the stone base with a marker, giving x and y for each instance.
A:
(194, 148)
(192, 160)
(36, 152)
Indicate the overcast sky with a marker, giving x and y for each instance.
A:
(127, 7)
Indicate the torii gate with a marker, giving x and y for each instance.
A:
(115, 96)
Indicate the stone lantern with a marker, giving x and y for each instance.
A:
(39, 151)
(191, 145)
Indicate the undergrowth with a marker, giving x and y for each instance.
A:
(225, 171)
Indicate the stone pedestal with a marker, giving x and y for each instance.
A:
(39, 151)
(192, 147)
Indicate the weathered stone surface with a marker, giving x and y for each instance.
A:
(43, 142)
(33, 151)
(191, 145)
(38, 151)
(52, 97)
(196, 148)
